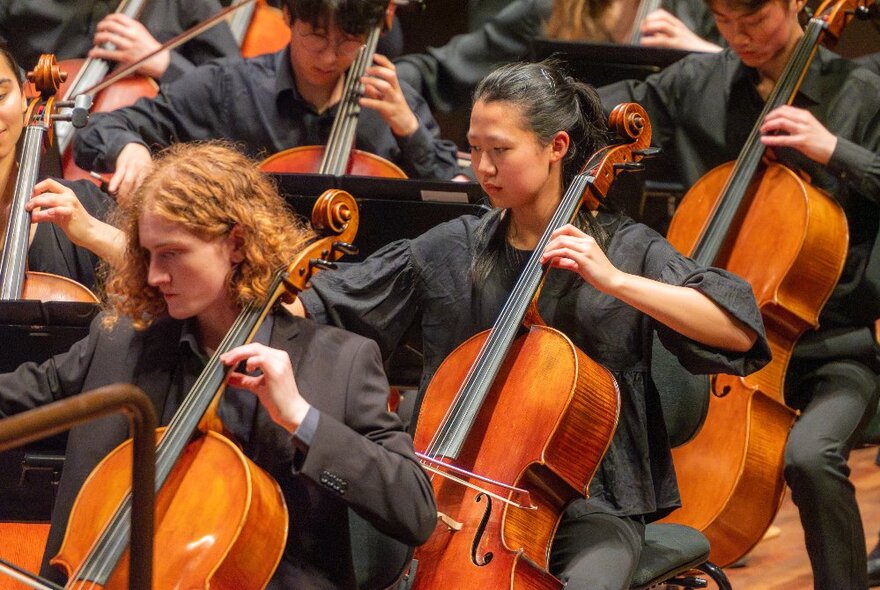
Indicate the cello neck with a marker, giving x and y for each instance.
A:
(586, 190)
(736, 188)
(646, 7)
(13, 260)
(341, 140)
(91, 72)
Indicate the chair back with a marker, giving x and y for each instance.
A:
(684, 397)
(379, 560)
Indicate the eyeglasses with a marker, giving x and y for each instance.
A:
(319, 42)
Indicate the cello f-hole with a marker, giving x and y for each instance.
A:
(719, 393)
(485, 559)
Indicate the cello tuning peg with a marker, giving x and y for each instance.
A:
(648, 152)
(323, 264)
(345, 248)
(79, 114)
(629, 166)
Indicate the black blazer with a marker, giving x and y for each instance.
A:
(359, 450)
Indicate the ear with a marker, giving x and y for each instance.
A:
(559, 145)
(235, 242)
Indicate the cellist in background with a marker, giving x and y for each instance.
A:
(74, 29)
(614, 282)
(702, 109)
(277, 101)
(76, 208)
(204, 235)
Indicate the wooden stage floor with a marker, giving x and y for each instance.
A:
(780, 563)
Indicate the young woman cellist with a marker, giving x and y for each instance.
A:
(613, 282)
(703, 108)
(204, 235)
(75, 207)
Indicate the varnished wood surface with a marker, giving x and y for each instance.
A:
(781, 563)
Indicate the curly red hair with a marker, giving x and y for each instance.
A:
(209, 188)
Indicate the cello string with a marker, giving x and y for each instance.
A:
(467, 403)
(115, 536)
(340, 142)
(752, 153)
(472, 393)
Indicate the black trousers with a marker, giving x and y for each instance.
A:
(596, 551)
(837, 399)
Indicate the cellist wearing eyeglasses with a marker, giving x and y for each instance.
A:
(277, 101)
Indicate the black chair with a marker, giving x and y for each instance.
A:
(672, 551)
(379, 560)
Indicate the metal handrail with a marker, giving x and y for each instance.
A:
(62, 415)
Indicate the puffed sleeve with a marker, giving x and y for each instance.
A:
(378, 298)
(729, 292)
(377, 474)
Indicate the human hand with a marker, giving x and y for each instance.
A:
(789, 126)
(132, 165)
(132, 41)
(571, 249)
(382, 93)
(661, 29)
(274, 385)
(55, 203)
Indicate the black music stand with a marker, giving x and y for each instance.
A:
(35, 331)
(390, 208)
(606, 63)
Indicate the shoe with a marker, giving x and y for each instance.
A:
(874, 566)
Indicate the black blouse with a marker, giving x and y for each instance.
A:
(428, 281)
(52, 252)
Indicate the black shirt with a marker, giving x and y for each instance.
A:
(447, 75)
(703, 108)
(52, 252)
(427, 281)
(67, 27)
(255, 102)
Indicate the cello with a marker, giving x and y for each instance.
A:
(522, 420)
(259, 28)
(16, 282)
(246, 515)
(87, 73)
(731, 218)
(339, 156)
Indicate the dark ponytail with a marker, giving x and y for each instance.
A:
(550, 101)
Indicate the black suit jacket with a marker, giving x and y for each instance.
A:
(359, 456)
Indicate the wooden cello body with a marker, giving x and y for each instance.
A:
(547, 440)
(766, 223)
(513, 426)
(792, 267)
(214, 543)
(259, 28)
